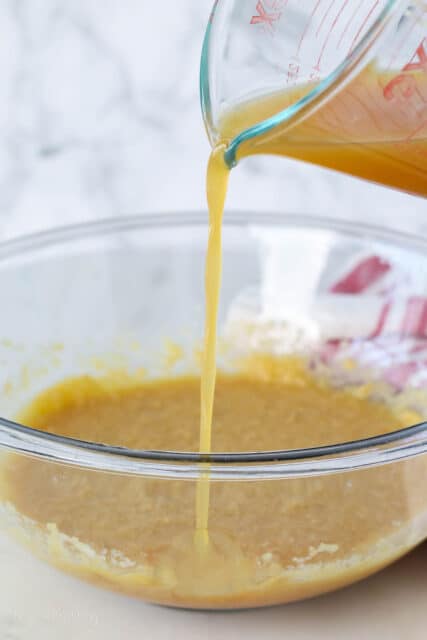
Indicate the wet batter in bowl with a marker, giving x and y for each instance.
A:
(269, 541)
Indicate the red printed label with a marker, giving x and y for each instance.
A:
(404, 84)
(268, 13)
(419, 59)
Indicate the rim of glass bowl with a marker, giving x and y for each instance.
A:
(346, 456)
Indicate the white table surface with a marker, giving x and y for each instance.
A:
(40, 603)
(390, 606)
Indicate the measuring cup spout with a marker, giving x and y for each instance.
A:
(295, 77)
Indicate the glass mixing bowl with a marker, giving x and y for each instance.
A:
(118, 295)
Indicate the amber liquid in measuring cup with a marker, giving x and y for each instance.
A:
(374, 128)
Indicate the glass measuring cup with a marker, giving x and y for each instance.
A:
(340, 83)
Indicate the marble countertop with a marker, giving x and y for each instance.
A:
(99, 116)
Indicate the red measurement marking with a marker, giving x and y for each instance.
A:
(315, 74)
(404, 85)
(365, 274)
(304, 33)
(338, 16)
(266, 17)
(363, 25)
(331, 28)
(293, 71)
(346, 28)
(419, 59)
(325, 15)
(400, 86)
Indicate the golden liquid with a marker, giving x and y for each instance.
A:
(217, 183)
(269, 541)
(359, 132)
